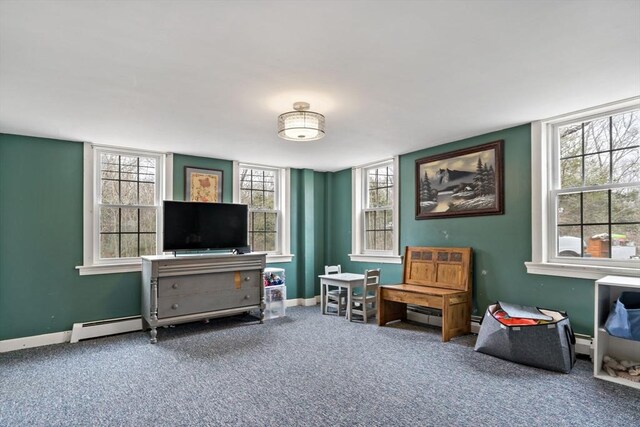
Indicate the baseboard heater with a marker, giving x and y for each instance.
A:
(433, 317)
(102, 328)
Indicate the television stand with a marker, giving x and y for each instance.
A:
(199, 287)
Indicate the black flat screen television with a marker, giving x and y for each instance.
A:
(197, 226)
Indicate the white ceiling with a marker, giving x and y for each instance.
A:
(209, 78)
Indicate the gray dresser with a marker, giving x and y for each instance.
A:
(199, 287)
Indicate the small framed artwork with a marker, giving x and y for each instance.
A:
(460, 183)
(202, 185)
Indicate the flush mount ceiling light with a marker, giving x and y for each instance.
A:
(301, 125)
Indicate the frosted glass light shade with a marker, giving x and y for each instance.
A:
(301, 125)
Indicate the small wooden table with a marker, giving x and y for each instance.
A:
(342, 280)
(436, 278)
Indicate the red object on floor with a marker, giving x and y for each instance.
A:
(513, 321)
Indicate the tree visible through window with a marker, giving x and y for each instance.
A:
(127, 205)
(378, 210)
(597, 194)
(259, 190)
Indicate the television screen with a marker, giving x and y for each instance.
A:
(202, 226)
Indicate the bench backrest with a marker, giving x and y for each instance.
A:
(447, 268)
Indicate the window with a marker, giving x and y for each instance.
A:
(265, 190)
(123, 215)
(375, 201)
(591, 223)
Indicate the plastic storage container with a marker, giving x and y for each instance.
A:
(275, 293)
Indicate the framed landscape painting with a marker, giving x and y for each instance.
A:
(465, 182)
(202, 185)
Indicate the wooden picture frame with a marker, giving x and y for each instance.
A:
(202, 185)
(467, 182)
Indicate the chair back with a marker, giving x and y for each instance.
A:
(332, 269)
(371, 278)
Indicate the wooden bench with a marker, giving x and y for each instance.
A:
(436, 278)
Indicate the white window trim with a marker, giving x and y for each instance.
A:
(543, 262)
(283, 195)
(90, 265)
(358, 183)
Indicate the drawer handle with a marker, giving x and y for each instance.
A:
(246, 279)
(174, 306)
(247, 297)
(175, 286)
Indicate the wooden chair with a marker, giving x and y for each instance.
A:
(337, 296)
(364, 303)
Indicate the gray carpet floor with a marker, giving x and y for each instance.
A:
(301, 370)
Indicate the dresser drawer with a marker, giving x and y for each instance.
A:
(208, 283)
(180, 305)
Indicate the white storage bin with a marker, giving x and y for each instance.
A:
(275, 301)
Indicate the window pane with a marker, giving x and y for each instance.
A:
(570, 242)
(110, 193)
(270, 242)
(626, 165)
(625, 205)
(380, 223)
(129, 246)
(128, 193)
(388, 240)
(596, 207)
(245, 197)
(109, 245)
(569, 209)
(571, 172)
(596, 136)
(570, 140)
(148, 244)
(270, 221)
(597, 240)
(258, 223)
(148, 220)
(258, 242)
(269, 200)
(370, 239)
(626, 129)
(129, 219)
(625, 241)
(596, 169)
(147, 194)
(109, 220)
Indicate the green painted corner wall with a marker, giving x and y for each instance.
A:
(501, 243)
(41, 243)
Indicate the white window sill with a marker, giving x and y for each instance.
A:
(383, 259)
(91, 270)
(579, 271)
(279, 258)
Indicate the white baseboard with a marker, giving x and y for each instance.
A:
(104, 328)
(34, 341)
(306, 302)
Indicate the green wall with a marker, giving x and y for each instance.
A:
(179, 163)
(41, 244)
(41, 237)
(501, 243)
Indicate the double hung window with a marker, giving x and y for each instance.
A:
(375, 212)
(586, 192)
(124, 190)
(265, 190)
